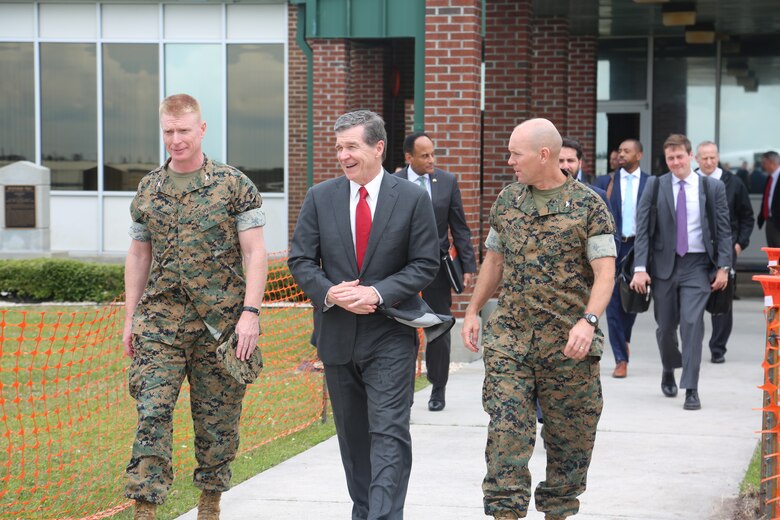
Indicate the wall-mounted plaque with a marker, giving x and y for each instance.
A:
(20, 206)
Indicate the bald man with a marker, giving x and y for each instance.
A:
(551, 248)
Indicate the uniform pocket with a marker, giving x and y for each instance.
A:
(214, 216)
(134, 377)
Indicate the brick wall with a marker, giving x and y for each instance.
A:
(549, 64)
(453, 49)
(507, 91)
(365, 77)
(581, 120)
(331, 59)
(296, 122)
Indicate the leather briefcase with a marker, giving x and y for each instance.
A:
(630, 300)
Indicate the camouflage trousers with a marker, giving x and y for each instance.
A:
(155, 378)
(570, 397)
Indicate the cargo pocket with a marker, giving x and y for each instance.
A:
(134, 378)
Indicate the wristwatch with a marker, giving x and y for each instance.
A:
(253, 310)
(592, 319)
(725, 268)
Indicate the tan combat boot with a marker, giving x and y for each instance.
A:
(144, 510)
(208, 505)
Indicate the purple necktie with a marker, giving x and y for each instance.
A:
(682, 221)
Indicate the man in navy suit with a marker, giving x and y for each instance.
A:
(364, 244)
(741, 220)
(442, 187)
(624, 187)
(690, 238)
(770, 203)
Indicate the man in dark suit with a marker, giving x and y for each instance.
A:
(770, 204)
(442, 187)
(690, 260)
(741, 220)
(365, 243)
(624, 188)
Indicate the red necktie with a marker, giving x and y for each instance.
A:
(765, 205)
(362, 227)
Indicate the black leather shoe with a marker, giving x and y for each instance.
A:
(718, 357)
(436, 403)
(668, 384)
(692, 400)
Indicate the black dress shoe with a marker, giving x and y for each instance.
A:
(692, 400)
(718, 357)
(436, 403)
(668, 384)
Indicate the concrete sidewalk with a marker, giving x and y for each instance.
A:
(652, 461)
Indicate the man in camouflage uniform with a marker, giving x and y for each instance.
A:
(195, 270)
(551, 243)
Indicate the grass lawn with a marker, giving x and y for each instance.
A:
(67, 422)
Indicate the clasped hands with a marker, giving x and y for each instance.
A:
(352, 297)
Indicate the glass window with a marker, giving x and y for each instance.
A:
(622, 69)
(130, 123)
(17, 103)
(247, 22)
(130, 22)
(17, 21)
(749, 111)
(67, 20)
(193, 22)
(198, 70)
(255, 113)
(69, 114)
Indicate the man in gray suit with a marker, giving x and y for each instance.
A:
(364, 243)
(443, 189)
(689, 261)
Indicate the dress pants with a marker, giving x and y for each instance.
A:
(619, 322)
(722, 325)
(680, 302)
(772, 234)
(371, 409)
(438, 295)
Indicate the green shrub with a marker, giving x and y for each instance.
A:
(56, 279)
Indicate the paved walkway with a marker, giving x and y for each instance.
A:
(652, 461)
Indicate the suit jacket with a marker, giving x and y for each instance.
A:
(616, 197)
(450, 217)
(401, 257)
(588, 179)
(740, 210)
(774, 206)
(717, 243)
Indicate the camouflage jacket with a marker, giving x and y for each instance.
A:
(196, 256)
(547, 272)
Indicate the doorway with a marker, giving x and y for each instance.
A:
(616, 122)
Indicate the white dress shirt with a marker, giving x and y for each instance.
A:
(634, 187)
(414, 177)
(695, 236)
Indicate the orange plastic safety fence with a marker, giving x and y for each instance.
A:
(770, 421)
(67, 421)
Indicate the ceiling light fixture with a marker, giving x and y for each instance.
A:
(678, 13)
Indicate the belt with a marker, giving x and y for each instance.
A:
(627, 239)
